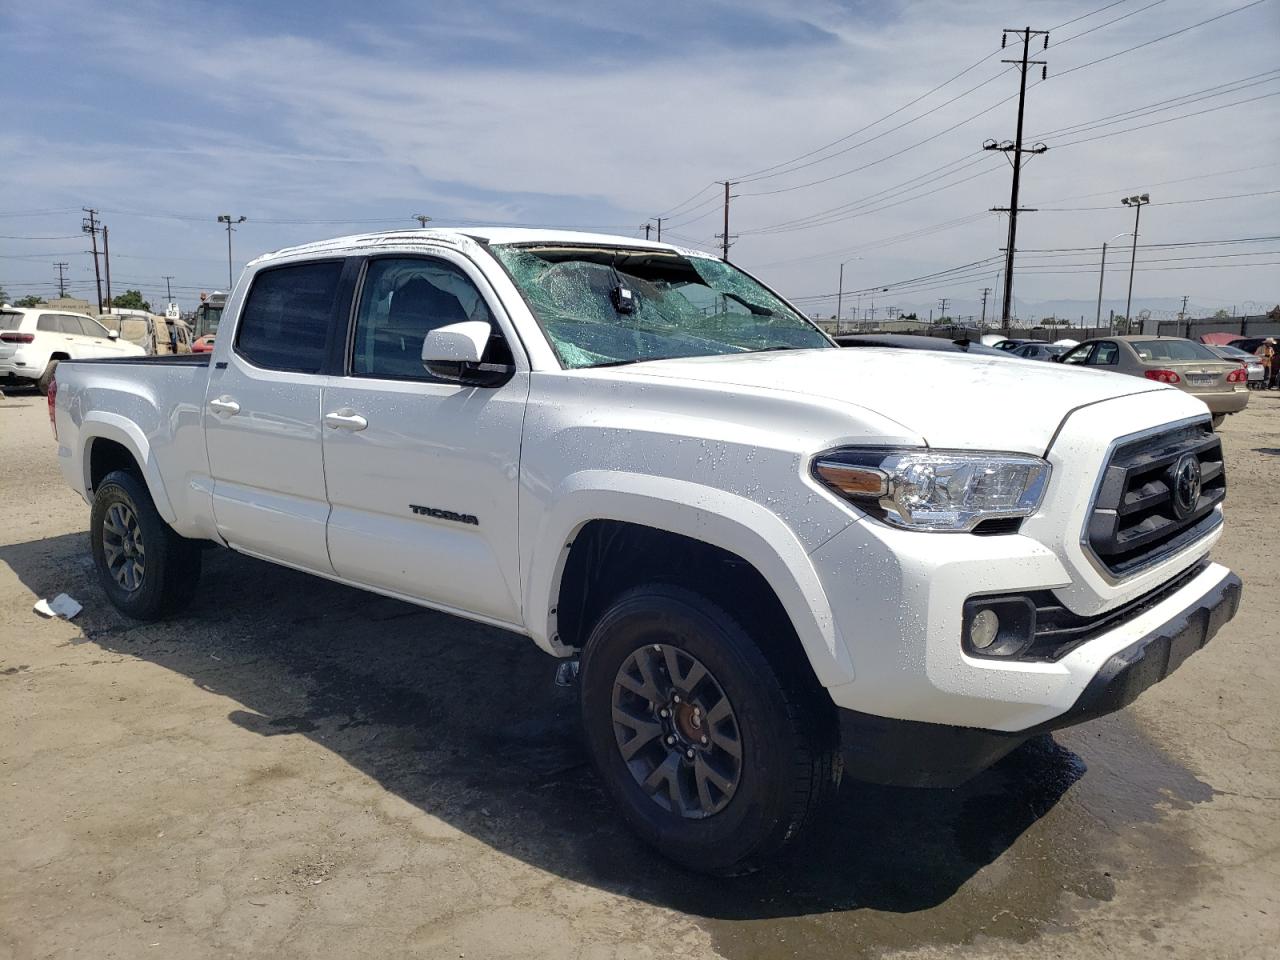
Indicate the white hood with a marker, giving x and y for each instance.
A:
(951, 399)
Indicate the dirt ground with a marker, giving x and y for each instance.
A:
(297, 769)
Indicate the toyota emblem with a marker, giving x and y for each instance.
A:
(1185, 483)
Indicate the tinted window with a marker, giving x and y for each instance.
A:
(286, 319)
(1079, 354)
(400, 302)
(1106, 355)
(10, 321)
(50, 323)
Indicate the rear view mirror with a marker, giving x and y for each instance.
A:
(454, 352)
(113, 334)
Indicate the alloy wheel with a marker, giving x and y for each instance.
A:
(123, 547)
(676, 731)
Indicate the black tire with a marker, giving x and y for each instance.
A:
(46, 378)
(146, 569)
(1218, 420)
(788, 765)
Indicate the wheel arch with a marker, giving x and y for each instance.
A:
(662, 528)
(111, 442)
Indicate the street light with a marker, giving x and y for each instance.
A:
(1137, 203)
(840, 293)
(1097, 322)
(228, 220)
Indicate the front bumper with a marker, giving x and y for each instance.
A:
(911, 753)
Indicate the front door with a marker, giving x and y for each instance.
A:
(422, 473)
(262, 416)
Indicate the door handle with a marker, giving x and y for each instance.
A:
(224, 404)
(345, 419)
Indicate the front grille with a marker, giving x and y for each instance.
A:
(1141, 513)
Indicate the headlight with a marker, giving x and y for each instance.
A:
(935, 490)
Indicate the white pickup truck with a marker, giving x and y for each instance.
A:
(768, 555)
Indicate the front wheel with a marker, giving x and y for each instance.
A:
(146, 569)
(715, 757)
(1218, 420)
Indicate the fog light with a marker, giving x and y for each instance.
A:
(984, 629)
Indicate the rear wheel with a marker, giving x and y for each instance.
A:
(716, 757)
(46, 378)
(1218, 419)
(146, 569)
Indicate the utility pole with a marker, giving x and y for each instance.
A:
(62, 279)
(89, 225)
(227, 219)
(647, 228)
(724, 238)
(985, 292)
(658, 220)
(1182, 315)
(168, 292)
(942, 307)
(1015, 147)
(1137, 202)
(106, 258)
(1102, 272)
(422, 219)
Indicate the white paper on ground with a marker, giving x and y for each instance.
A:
(60, 606)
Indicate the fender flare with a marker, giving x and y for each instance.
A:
(102, 425)
(722, 519)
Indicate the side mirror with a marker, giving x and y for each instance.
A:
(113, 334)
(454, 352)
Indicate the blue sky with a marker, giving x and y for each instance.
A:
(163, 115)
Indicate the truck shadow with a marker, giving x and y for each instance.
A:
(464, 722)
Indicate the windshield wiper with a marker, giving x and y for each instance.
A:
(755, 308)
(623, 363)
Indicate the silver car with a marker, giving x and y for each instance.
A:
(1185, 364)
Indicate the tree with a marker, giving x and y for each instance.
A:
(4, 295)
(131, 300)
(31, 300)
(1274, 313)
(1221, 315)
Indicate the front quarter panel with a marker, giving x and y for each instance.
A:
(727, 467)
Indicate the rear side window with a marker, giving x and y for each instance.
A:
(286, 320)
(10, 321)
(1106, 354)
(50, 323)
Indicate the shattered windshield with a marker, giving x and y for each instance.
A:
(602, 306)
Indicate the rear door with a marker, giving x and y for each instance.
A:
(422, 472)
(262, 414)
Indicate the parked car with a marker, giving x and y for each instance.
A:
(904, 341)
(756, 546)
(1040, 351)
(33, 340)
(1254, 368)
(1219, 339)
(1221, 384)
(1011, 344)
(156, 335)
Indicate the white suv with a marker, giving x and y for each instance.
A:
(34, 339)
